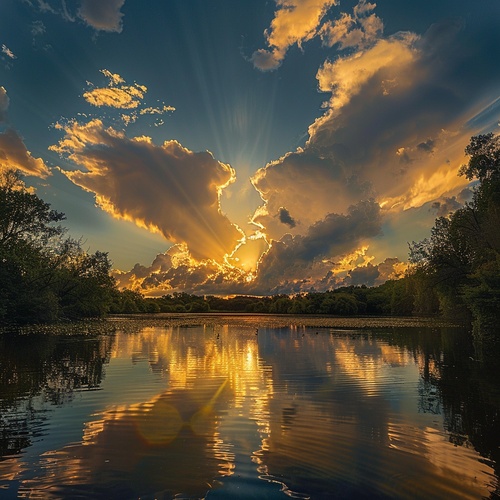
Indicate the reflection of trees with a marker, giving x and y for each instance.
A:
(43, 368)
(307, 407)
(465, 380)
(326, 417)
(336, 430)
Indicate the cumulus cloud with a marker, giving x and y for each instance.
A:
(309, 186)
(363, 275)
(102, 15)
(446, 206)
(396, 122)
(299, 21)
(376, 274)
(361, 29)
(298, 262)
(393, 116)
(13, 154)
(175, 271)
(393, 126)
(295, 22)
(13, 151)
(165, 188)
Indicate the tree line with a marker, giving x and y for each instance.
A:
(47, 277)
(392, 298)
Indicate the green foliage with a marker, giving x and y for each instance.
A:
(44, 277)
(23, 215)
(484, 158)
(392, 298)
(460, 261)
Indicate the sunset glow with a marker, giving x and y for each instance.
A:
(247, 147)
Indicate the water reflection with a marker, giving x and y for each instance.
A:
(229, 412)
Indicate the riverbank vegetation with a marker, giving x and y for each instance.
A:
(47, 277)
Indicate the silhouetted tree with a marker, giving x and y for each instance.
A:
(44, 276)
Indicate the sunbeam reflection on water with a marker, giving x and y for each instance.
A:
(220, 412)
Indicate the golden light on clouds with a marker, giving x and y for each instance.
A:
(295, 22)
(13, 154)
(116, 94)
(345, 76)
(168, 188)
(388, 138)
(358, 258)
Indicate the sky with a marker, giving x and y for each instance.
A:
(247, 146)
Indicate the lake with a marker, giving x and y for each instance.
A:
(227, 407)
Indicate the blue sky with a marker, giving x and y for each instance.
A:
(224, 146)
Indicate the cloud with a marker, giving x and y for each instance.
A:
(4, 104)
(376, 274)
(297, 263)
(175, 271)
(293, 264)
(299, 21)
(8, 52)
(116, 94)
(397, 119)
(383, 157)
(119, 95)
(285, 217)
(359, 30)
(295, 22)
(309, 186)
(446, 206)
(102, 15)
(394, 116)
(13, 152)
(396, 122)
(37, 28)
(363, 275)
(166, 188)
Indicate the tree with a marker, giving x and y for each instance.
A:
(461, 258)
(44, 276)
(24, 217)
(484, 158)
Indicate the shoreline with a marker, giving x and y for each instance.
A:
(283, 320)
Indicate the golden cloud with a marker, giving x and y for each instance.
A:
(14, 154)
(165, 188)
(116, 94)
(295, 22)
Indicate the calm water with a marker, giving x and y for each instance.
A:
(129, 410)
